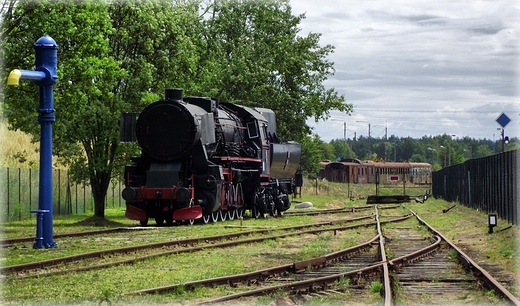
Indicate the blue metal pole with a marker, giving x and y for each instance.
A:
(47, 62)
(45, 76)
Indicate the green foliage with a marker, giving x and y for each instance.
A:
(311, 156)
(328, 151)
(342, 149)
(389, 253)
(440, 151)
(85, 132)
(254, 56)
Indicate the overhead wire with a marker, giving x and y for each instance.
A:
(430, 98)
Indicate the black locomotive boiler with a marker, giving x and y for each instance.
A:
(206, 160)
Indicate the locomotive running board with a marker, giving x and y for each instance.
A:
(193, 212)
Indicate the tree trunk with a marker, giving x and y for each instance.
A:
(100, 182)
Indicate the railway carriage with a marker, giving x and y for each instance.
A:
(364, 172)
(414, 173)
(349, 170)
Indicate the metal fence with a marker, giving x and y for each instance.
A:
(489, 184)
(19, 192)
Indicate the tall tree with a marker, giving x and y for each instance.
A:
(85, 132)
(112, 57)
(342, 149)
(258, 58)
(311, 148)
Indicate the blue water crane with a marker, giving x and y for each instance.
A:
(45, 76)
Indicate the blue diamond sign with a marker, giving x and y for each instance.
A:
(503, 120)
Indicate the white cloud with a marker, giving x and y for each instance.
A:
(423, 67)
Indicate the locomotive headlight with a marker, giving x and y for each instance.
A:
(158, 194)
(129, 194)
(183, 195)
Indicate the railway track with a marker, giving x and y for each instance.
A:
(12, 241)
(132, 254)
(412, 262)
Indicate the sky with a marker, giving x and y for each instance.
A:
(419, 68)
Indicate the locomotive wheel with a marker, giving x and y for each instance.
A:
(169, 220)
(159, 220)
(214, 216)
(264, 212)
(230, 202)
(231, 214)
(255, 213)
(144, 222)
(240, 212)
(223, 215)
(191, 221)
(205, 219)
(239, 201)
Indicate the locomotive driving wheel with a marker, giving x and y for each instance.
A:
(231, 213)
(169, 220)
(260, 206)
(224, 203)
(272, 211)
(206, 218)
(159, 220)
(239, 201)
(214, 216)
(255, 212)
(222, 215)
(240, 212)
(230, 200)
(144, 222)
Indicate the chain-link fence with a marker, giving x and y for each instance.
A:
(19, 192)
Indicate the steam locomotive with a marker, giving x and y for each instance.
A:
(207, 161)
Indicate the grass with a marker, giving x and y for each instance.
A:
(17, 149)
(462, 225)
(376, 287)
(343, 283)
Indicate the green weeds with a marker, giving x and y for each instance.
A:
(376, 287)
(453, 254)
(342, 283)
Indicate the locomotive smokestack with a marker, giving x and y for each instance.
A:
(173, 94)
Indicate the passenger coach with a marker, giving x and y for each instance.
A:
(355, 171)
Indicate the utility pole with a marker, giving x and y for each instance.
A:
(369, 141)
